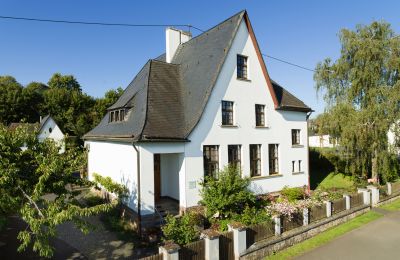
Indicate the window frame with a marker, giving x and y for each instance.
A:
(260, 115)
(255, 161)
(227, 113)
(242, 71)
(208, 163)
(299, 165)
(293, 166)
(273, 159)
(296, 137)
(232, 161)
(117, 115)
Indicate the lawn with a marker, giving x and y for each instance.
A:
(338, 181)
(326, 236)
(395, 205)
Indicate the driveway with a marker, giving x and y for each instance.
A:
(376, 240)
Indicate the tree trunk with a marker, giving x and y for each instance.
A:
(374, 166)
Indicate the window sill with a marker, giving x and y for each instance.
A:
(267, 177)
(229, 126)
(297, 173)
(262, 127)
(243, 79)
(297, 146)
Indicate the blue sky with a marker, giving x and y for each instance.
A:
(302, 32)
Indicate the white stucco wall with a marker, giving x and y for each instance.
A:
(115, 160)
(321, 141)
(51, 130)
(170, 167)
(245, 94)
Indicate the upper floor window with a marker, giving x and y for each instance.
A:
(227, 112)
(117, 115)
(273, 158)
(255, 160)
(241, 67)
(260, 115)
(234, 155)
(295, 136)
(211, 160)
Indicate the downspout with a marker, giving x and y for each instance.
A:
(308, 150)
(138, 190)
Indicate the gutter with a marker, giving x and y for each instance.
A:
(138, 190)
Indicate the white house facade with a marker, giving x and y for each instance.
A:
(322, 141)
(49, 129)
(208, 102)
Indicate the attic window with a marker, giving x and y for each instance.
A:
(117, 115)
(241, 67)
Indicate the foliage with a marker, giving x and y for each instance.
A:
(3, 222)
(227, 195)
(182, 230)
(28, 175)
(288, 208)
(293, 194)
(252, 215)
(362, 90)
(107, 183)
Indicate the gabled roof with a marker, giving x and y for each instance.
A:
(166, 100)
(287, 101)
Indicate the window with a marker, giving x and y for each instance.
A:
(299, 165)
(241, 67)
(50, 130)
(293, 166)
(234, 155)
(117, 115)
(295, 136)
(227, 112)
(210, 160)
(255, 160)
(260, 116)
(273, 159)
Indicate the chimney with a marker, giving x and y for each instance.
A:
(174, 38)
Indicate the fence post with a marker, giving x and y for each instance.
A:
(375, 194)
(211, 241)
(306, 220)
(366, 196)
(389, 188)
(169, 251)
(278, 225)
(328, 205)
(239, 238)
(347, 198)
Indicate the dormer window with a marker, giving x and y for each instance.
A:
(117, 115)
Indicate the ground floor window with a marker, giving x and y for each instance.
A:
(211, 160)
(234, 155)
(273, 158)
(255, 160)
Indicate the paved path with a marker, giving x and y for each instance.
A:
(376, 240)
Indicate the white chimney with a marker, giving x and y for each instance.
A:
(174, 38)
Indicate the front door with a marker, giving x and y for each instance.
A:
(157, 178)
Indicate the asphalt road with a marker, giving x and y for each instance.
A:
(9, 244)
(379, 239)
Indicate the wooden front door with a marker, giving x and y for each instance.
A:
(157, 178)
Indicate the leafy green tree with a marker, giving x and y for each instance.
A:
(68, 82)
(100, 108)
(228, 195)
(12, 105)
(362, 92)
(28, 175)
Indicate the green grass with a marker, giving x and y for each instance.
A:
(337, 181)
(393, 206)
(326, 236)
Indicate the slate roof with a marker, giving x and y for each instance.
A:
(165, 101)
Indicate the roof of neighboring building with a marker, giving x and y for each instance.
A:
(165, 101)
(32, 127)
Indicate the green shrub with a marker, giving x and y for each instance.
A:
(252, 215)
(181, 230)
(293, 194)
(227, 195)
(111, 186)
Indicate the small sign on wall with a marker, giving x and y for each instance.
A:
(192, 185)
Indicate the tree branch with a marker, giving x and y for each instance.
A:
(32, 202)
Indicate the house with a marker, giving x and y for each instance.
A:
(205, 103)
(322, 141)
(47, 128)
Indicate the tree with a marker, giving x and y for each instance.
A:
(68, 82)
(227, 195)
(362, 92)
(100, 108)
(27, 175)
(12, 106)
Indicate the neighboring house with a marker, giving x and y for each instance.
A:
(322, 141)
(47, 128)
(205, 103)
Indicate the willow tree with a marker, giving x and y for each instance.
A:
(362, 92)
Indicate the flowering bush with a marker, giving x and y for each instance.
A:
(286, 208)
